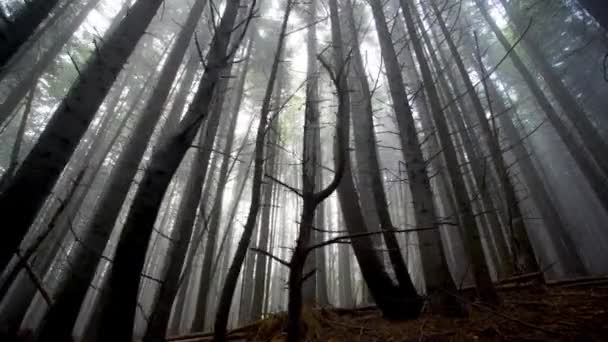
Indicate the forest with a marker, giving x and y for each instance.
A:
(303, 170)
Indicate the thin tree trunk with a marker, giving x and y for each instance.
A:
(365, 142)
(225, 302)
(436, 272)
(595, 178)
(18, 92)
(391, 300)
(41, 168)
(526, 261)
(19, 30)
(116, 321)
(483, 281)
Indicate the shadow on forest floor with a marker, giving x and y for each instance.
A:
(574, 312)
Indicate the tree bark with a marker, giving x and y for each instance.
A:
(116, 320)
(436, 272)
(43, 165)
(595, 178)
(484, 286)
(18, 92)
(17, 32)
(394, 302)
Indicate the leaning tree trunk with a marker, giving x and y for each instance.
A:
(116, 320)
(367, 153)
(572, 109)
(261, 276)
(174, 278)
(436, 272)
(225, 301)
(44, 164)
(526, 261)
(391, 299)
(18, 92)
(586, 165)
(19, 30)
(483, 282)
(193, 197)
(70, 289)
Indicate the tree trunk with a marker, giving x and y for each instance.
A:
(18, 92)
(365, 142)
(43, 165)
(19, 30)
(394, 302)
(589, 169)
(223, 310)
(522, 249)
(590, 136)
(436, 272)
(116, 322)
(483, 281)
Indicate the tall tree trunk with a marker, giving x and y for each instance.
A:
(19, 30)
(261, 275)
(594, 176)
(365, 142)
(561, 237)
(436, 272)
(70, 289)
(44, 164)
(522, 249)
(393, 301)
(160, 316)
(18, 92)
(206, 146)
(225, 302)
(590, 136)
(483, 281)
(116, 322)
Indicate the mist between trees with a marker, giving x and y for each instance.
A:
(170, 167)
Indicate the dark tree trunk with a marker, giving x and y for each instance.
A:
(483, 281)
(586, 165)
(44, 164)
(522, 249)
(18, 92)
(17, 32)
(436, 272)
(225, 301)
(590, 136)
(366, 146)
(394, 302)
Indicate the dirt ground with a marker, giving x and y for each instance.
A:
(569, 312)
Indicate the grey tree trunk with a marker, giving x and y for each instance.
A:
(392, 300)
(436, 272)
(43, 165)
(483, 281)
(225, 302)
(116, 322)
(17, 32)
(594, 176)
(367, 154)
(522, 249)
(590, 136)
(18, 92)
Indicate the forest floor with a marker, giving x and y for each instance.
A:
(574, 311)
